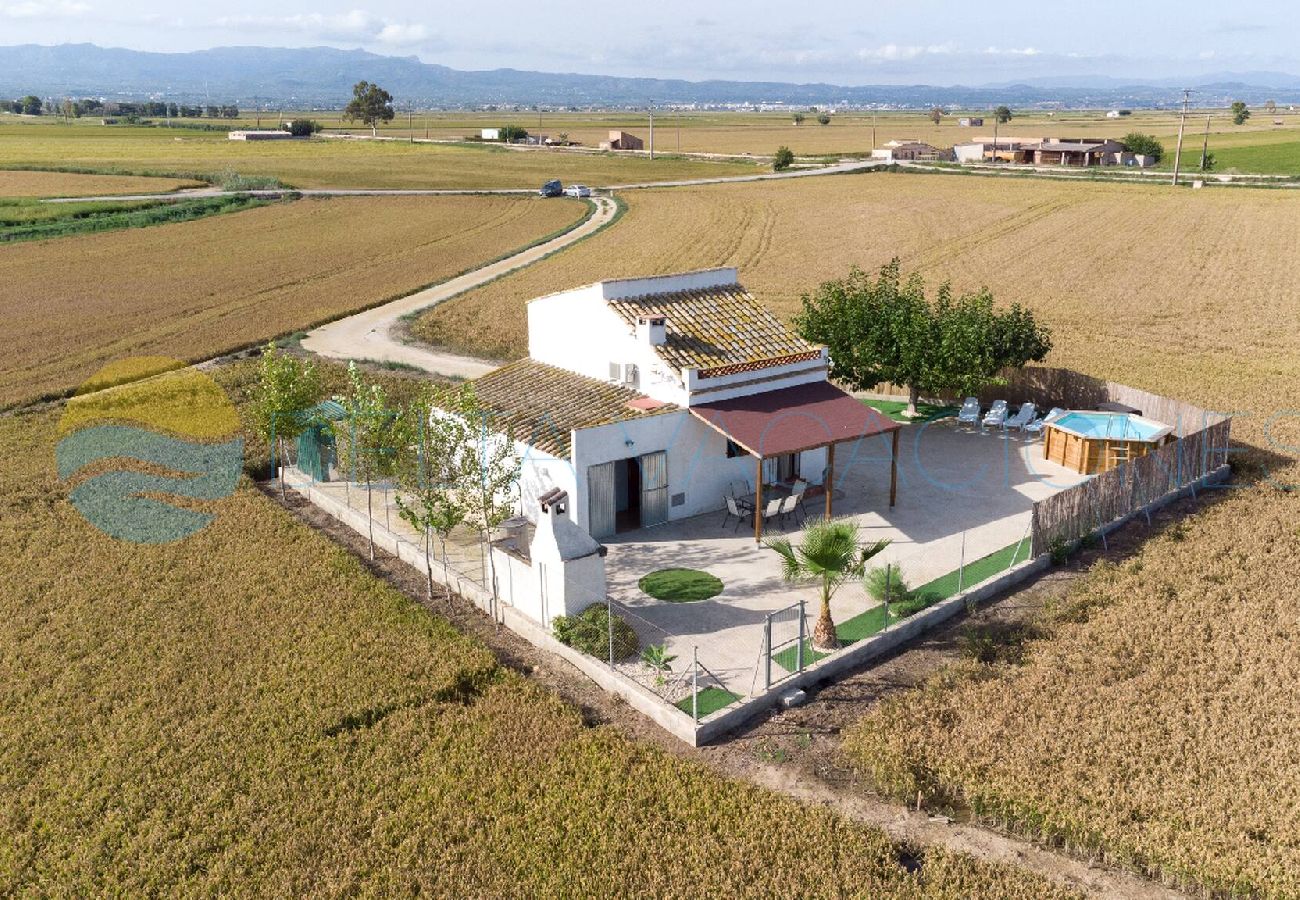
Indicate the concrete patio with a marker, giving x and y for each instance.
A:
(957, 486)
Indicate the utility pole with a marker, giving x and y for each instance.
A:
(679, 130)
(652, 132)
(1205, 144)
(1182, 124)
(874, 145)
(410, 120)
(995, 139)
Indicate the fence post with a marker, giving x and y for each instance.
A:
(961, 564)
(798, 654)
(767, 651)
(695, 683)
(609, 626)
(889, 574)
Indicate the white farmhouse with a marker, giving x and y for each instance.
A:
(647, 400)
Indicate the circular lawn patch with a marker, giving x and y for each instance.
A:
(680, 585)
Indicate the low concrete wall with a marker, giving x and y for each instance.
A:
(866, 650)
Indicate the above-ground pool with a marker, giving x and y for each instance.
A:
(1092, 442)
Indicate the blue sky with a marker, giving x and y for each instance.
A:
(933, 41)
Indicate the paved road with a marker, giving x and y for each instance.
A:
(368, 334)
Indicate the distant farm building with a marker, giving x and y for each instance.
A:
(1049, 151)
(621, 140)
(260, 136)
(909, 151)
(490, 134)
(970, 122)
(1119, 113)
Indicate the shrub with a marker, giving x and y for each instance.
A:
(783, 159)
(302, 127)
(892, 577)
(1144, 145)
(589, 632)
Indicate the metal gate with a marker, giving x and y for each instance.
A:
(654, 488)
(600, 500)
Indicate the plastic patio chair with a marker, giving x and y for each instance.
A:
(790, 507)
(733, 509)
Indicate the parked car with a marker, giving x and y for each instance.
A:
(577, 190)
(552, 189)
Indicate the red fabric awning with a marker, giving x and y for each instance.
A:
(792, 419)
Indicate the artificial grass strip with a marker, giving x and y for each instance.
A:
(981, 569)
(680, 585)
(711, 699)
(926, 412)
(872, 621)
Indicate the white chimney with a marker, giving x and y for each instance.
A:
(652, 330)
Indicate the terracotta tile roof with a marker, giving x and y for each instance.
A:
(543, 404)
(714, 327)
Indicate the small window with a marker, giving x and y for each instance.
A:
(734, 450)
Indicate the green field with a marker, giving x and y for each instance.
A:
(30, 220)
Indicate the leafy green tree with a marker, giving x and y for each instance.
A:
(433, 476)
(1002, 114)
(513, 134)
(885, 329)
(287, 389)
(798, 118)
(302, 127)
(1239, 112)
(369, 439)
(783, 158)
(30, 105)
(370, 105)
(823, 119)
(832, 555)
(1208, 162)
(1144, 145)
(936, 114)
(492, 468)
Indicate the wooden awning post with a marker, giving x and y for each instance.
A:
(829, 480)
(893, 470)
(758, 501)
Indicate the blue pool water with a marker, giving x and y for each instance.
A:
(1118, 426)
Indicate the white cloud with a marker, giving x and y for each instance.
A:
(44, 9)
(899, 52)
(1011, 51)
(356, 25)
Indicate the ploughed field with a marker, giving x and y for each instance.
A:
(249, 710)
(196, 289)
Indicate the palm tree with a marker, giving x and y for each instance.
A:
(832, 554)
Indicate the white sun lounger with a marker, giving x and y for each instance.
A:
(1036, 426)
(997, 415)
(1023, 417)
(970, 412)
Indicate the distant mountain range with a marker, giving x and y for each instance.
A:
(323, 76)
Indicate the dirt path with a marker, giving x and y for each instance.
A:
(796, 752)
(370, 334)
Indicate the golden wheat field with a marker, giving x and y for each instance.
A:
(249, 710)
(1139, 281)
(195, 289)
(332, 163)
(15, 183)
(1156, 725)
